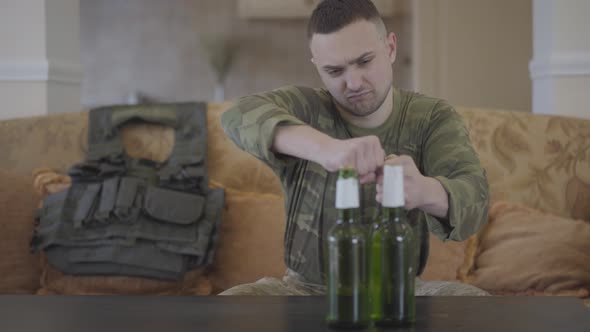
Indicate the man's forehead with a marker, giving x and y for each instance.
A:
(346, 44)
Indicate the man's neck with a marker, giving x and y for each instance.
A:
(375, 119)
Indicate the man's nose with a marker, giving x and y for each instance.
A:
(354, 80)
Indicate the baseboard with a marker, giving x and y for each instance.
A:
(560, 65)
(39, 70)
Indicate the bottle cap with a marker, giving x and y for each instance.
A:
(347, 192)
(393, 186)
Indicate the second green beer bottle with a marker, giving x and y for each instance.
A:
(346, 259)
(392, 261)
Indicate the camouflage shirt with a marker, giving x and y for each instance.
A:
(424, 128)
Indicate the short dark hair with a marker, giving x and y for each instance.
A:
(332, 15)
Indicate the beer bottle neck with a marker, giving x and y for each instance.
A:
(345, 216)
(392, 214)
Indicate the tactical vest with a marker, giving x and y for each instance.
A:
(135, 217)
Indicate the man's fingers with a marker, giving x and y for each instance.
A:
(390, 157)
(367, 178)
(361, 164)
(379, 156)
(348, 161)
(403, 160)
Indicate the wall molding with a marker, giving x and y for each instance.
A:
(565, 65)
(428, 26)
(39, 70)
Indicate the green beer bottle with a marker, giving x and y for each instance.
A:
(392, 261)
(346, 259)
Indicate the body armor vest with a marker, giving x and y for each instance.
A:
(135, 217)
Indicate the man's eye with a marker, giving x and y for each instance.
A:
(334, 72)
(364, 61)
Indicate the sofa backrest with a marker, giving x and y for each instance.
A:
(58, 141)
(542, 161)
(538, 160)
(53, 141)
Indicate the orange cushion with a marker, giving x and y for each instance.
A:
(55, 282)
(444, 259)
(250, 240)
(525, 251)
(19, 269)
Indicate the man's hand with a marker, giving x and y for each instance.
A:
(365, 154)
(421, 192)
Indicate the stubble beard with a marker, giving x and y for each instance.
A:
(360, 110)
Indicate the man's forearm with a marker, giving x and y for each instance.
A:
(436, 199)
(301, 141)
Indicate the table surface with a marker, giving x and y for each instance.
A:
(35, 313)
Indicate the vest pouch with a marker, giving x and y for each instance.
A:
(142, 261)
(145, 256)
(126, 205)
(173, 206)
(108, 196)
(83, 198)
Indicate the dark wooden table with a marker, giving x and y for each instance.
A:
(30, 313)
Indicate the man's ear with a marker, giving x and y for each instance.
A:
(392, 46)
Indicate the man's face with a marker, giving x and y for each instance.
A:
(355, 65)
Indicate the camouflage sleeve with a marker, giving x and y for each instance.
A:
(450, 158)
(252, 121)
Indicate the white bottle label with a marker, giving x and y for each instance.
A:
(393, 186)
(347, 193)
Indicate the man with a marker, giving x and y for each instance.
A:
(307, 134)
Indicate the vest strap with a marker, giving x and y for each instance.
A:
(108, 197)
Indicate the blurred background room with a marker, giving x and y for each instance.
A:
(66, 55)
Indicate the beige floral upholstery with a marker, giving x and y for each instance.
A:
(537, 160)
(53, 141)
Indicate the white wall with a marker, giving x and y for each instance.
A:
(22, 47)
(560, 68)
(39, 57)
(64, 86)
(153, 47)
(474, 52)
(20, 40)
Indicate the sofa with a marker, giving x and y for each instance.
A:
(537, 240)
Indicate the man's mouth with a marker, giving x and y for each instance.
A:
(357, 97)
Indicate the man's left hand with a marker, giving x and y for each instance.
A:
(420, 191)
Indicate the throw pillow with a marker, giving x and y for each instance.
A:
(444, 259)
(53, 281)
(525, 251)
(250, 240)
(19, 269)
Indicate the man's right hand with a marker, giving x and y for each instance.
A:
(365, 154)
